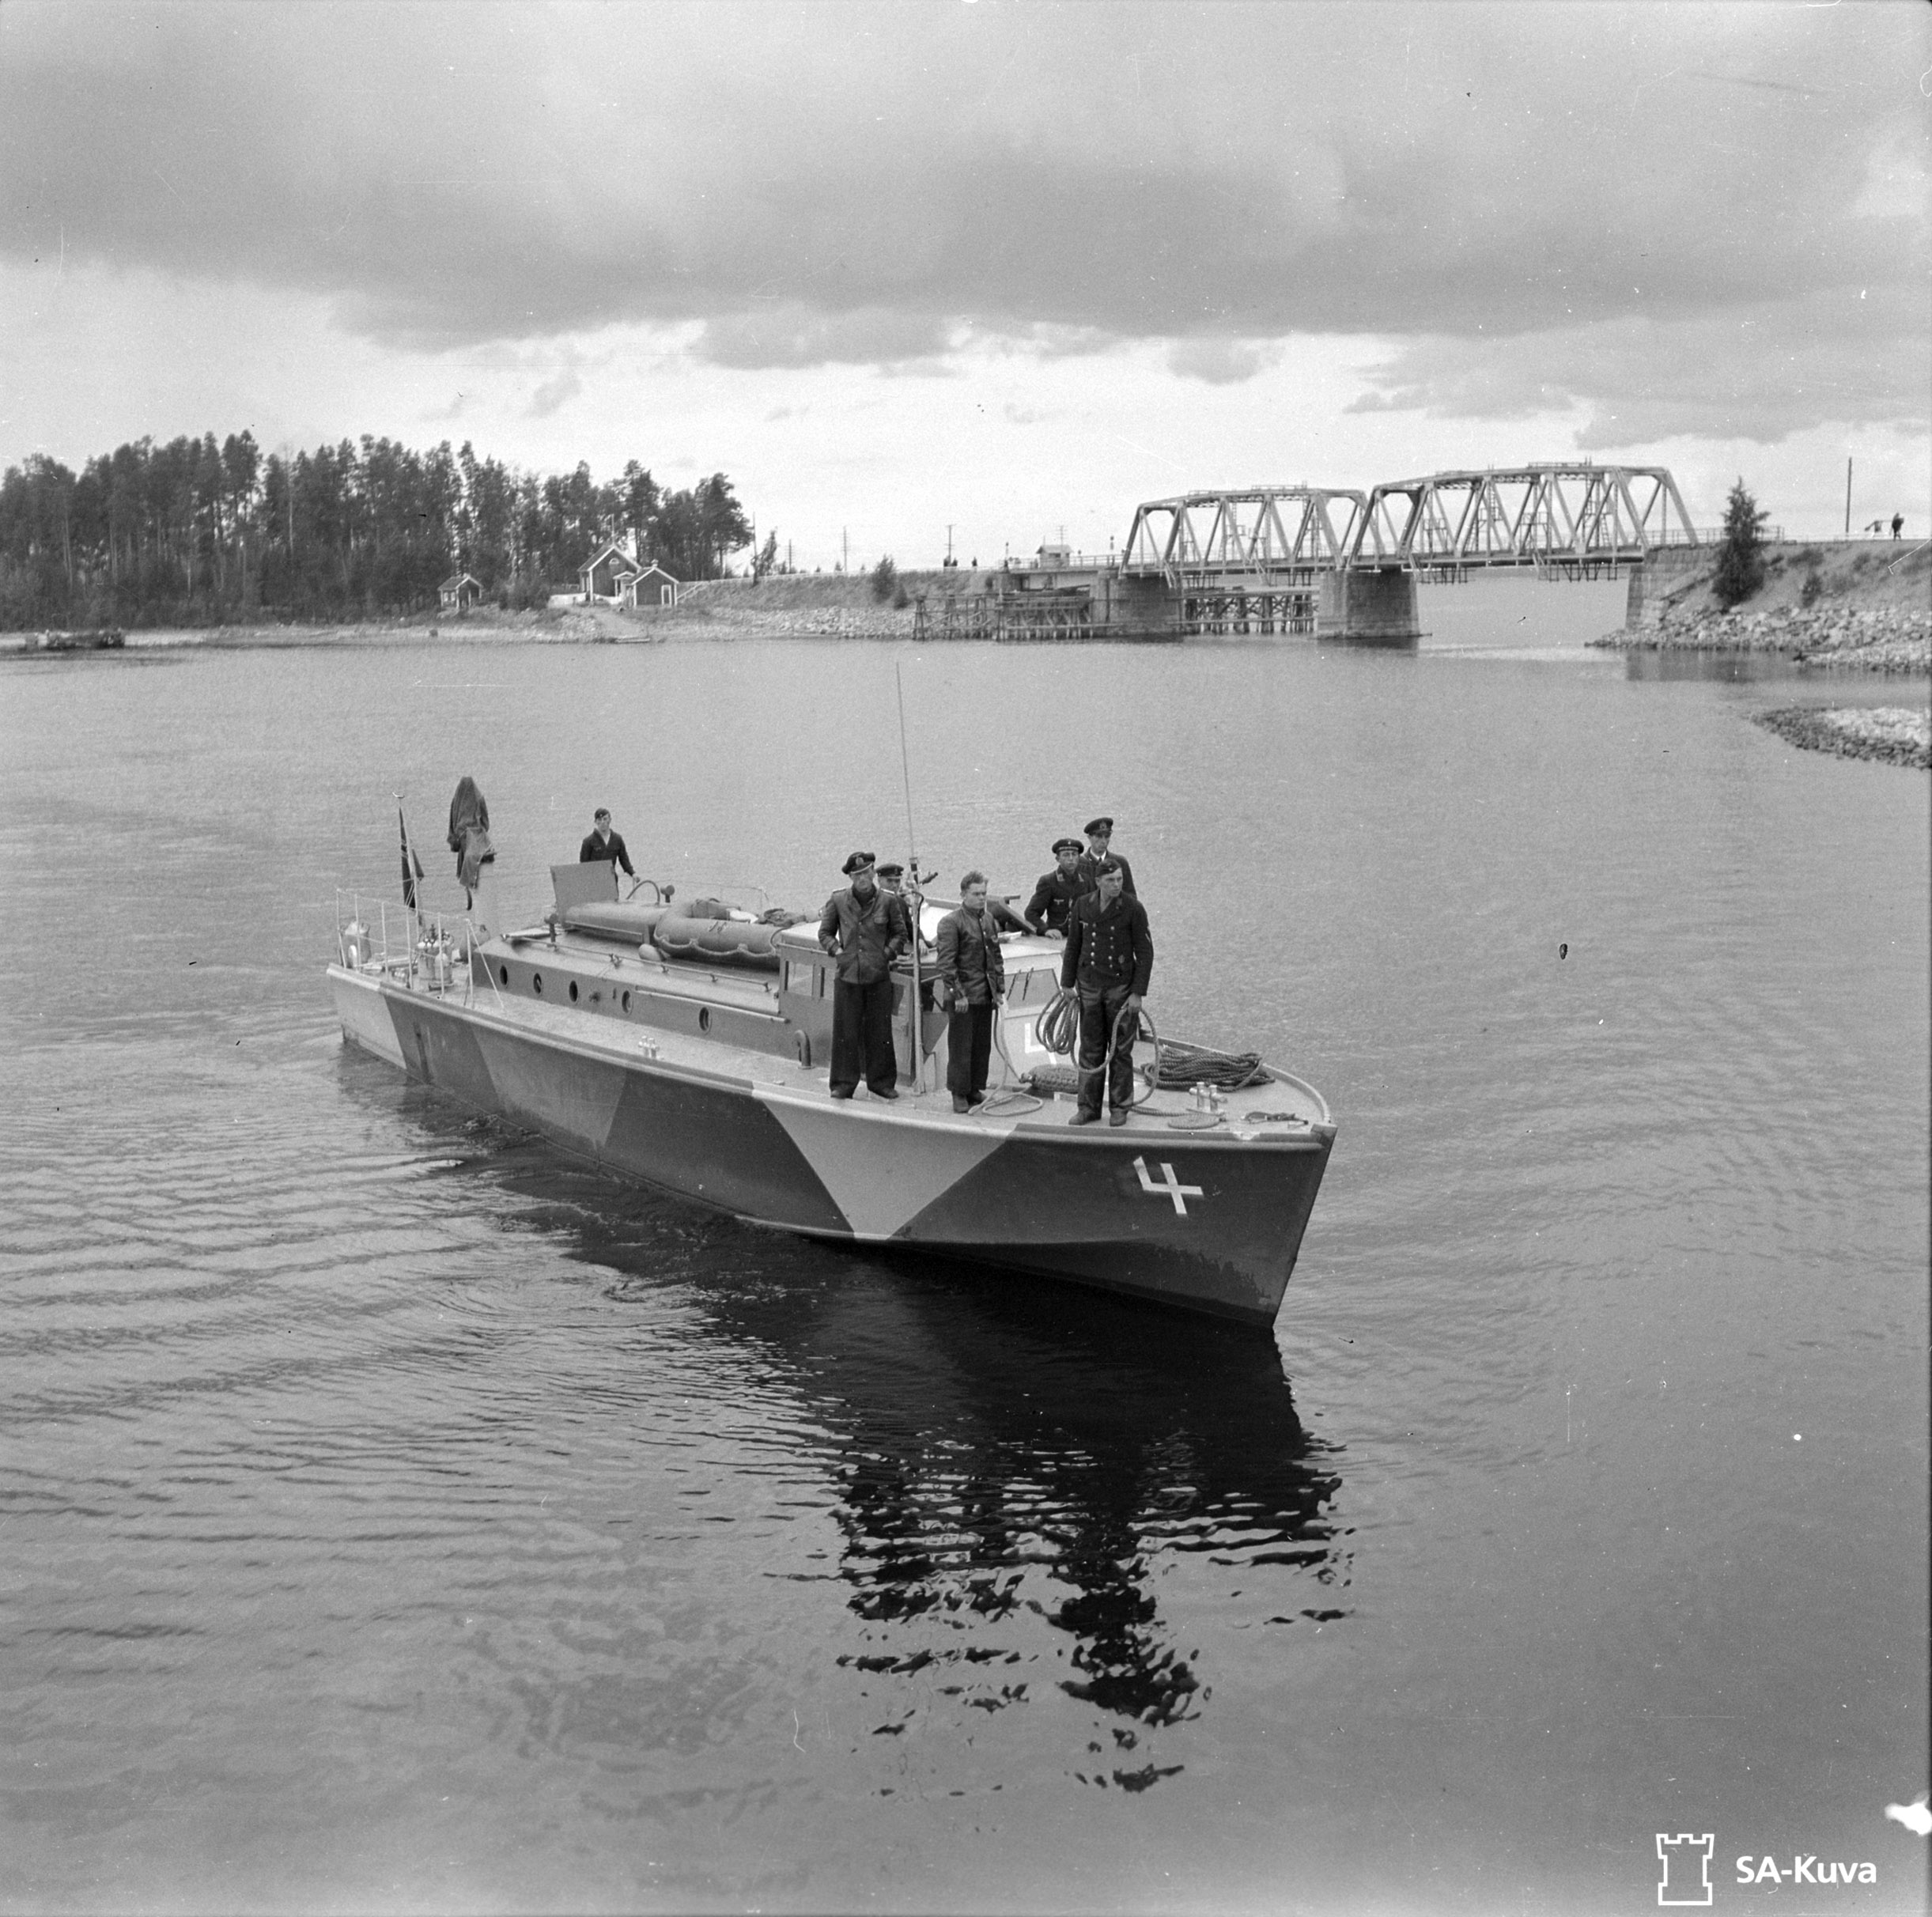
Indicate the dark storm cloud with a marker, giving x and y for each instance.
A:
(862, 185)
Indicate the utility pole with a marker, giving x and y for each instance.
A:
(1847, 498)
(844, 547)
(949, 542)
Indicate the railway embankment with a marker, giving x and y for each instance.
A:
(1854, 606)
(818, 605)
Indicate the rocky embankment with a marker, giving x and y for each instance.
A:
(1862, 605)
(1901, 734)
(821, 605)
(1868, 639)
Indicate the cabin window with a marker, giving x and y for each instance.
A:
(573, 992)
(704, 1017)
(802, 976)
(503, 974)
(536, 983)
(627, 1001)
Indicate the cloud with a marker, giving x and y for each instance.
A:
(556, 391)
(1222, 362)
(1760, 373)
(873, 185)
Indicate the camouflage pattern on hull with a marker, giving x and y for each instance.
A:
(1210, 1222)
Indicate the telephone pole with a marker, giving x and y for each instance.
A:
(1847, 498)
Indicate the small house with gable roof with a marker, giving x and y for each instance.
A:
(460, 592)
(653, 587)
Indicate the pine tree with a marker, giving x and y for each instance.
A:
(1741, 553)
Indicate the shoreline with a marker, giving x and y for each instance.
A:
(1891, 735)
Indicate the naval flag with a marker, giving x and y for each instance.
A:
(408, 860)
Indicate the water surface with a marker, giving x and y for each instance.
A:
(398, 1515)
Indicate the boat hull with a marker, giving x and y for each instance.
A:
(1207, 1221)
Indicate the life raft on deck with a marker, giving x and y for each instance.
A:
(703, 933)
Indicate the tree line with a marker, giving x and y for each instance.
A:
(195, 532)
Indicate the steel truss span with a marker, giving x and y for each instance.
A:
(1556, 517)
(1263, 532)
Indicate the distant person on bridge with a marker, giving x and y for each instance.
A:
(1110, 959)
(1058, 891)
(1100, 850)
(1898, 525)
(605, 844)
(865, 928)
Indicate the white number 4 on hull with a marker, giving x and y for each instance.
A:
(1167, 1185)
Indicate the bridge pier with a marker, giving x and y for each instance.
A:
(1376, 608)
(1663, 577)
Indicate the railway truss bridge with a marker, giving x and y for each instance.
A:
(1345, 564)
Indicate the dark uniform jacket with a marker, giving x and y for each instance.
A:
(1108, 947)
(867, 934)
(970, 965)
(1053, 899)
(593, 849)
(1089, 869)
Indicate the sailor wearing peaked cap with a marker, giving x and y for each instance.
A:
(865, 928)
(1110, 959)
(1055, 895)
(1099, 848)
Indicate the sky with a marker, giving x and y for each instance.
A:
(1001, 266)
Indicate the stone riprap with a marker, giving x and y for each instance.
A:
(1871, 639)
(1899, 735)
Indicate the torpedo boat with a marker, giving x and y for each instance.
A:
(685, 1045)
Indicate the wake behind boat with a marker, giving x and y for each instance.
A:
(685, 1045)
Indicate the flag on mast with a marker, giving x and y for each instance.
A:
(408, 860)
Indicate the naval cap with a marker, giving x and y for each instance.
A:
(891, 869)
(1103, 827)
(1067, 844)
(858, 862)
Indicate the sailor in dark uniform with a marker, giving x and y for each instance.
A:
(1054, 897)
(1109, 959)
(866, 928)
(603, 843)
(1099, 848)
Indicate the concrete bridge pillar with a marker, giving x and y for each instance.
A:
(1370, 608)
(1662, 578)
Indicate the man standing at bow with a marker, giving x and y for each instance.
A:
(865, 927)
(971, 982)
(1108, 960)
(1099, 848)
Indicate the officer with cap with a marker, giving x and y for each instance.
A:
(1058, 891)
(1108, 960)
(1099, 848)
(865, 928)
(603, 843)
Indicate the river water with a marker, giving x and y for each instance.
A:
(398, 1516)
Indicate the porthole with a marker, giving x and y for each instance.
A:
(536, 983)
(627, 1001)
(704, 1017)
(503, 974)
(573, 992)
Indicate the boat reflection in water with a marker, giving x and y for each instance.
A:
(1037, 1490)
